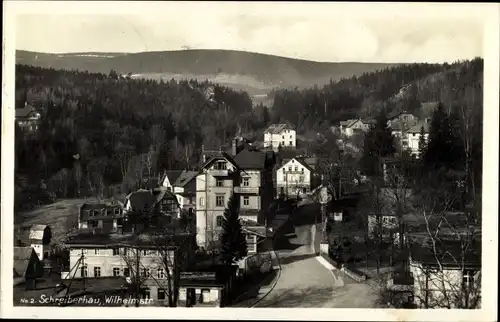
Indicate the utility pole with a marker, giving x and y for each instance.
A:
(137, 278)
(84, 272)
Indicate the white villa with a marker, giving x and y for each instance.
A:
(294, 177)
(280, 135)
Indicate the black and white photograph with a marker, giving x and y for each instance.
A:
(246, 155)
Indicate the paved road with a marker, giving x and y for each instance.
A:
(304, 281)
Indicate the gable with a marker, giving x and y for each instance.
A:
(222, 157)
(294, 162)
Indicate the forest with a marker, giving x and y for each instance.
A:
(101, 131)
(402, 87)
(98, 130)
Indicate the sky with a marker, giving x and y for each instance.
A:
(330, 32)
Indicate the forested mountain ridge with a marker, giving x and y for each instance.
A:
(256, 73)
(402, 87)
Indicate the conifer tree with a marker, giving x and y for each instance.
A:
(422, 143)
(442, 147)
(234, 245)
(378, 143)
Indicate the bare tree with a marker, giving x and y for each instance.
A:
(166, 251)
(452, 276)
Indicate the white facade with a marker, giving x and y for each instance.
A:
(353, 127)
(413, 141)
(293, 177)
(286, 138)
(441, 289)
(213, 190)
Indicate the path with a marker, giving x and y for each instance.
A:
(304, 280)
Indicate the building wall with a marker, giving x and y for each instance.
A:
(440, 285)
(287, 138)
(106, 261)
(207, 210)
(290, 180)
(211, 295)
(413, 139)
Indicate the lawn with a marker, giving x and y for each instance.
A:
(57, 215)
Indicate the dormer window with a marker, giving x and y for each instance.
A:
(220, 165)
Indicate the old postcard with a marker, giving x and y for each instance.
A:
(165, 159)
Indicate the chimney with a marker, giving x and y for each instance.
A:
(234, 147)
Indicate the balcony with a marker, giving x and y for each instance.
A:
(247, 190)
(219, 172)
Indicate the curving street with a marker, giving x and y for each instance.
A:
(304, 280)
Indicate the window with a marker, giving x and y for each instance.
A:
(296, 168)
(161, 273)
(283, 137)
(246, 200)
(144, 252)
(245, 182)
(219, 183)
(93, 224)
(126, 272)
(302, 170)
(96, 251)
(117, 211)
(220, 220)
(468, 278)
(283, 143)
(161, 294)
(116, 251)
(125, 251)
(301, 178)
(219, 201)
(97, 271)
(169, 188)
(289, 169)
(202, 201)
(145, 272)
(116, 271)
(205, 295)
(83, 271)
(146, 293)
(96, 212)
(220, 165)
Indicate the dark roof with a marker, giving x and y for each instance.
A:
(218, 156)
(141, 199)
(25, 111)
(251, 160)
(306, 162)
(449, 253)
(172, 175)
(184, 178)
(100, 205)
(278, 128)
(22, 257)
(87, 238)
(395, 114)
(416, 128)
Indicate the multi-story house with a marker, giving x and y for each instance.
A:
(27, 118)
(353, 126)
(294, 177)
(183, 185)
(247, 176)
(106, 217)
(413, 136)
(97, 256)
(278, 135)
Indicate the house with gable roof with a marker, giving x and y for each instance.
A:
(350, 127)
(277, 135)
(295, 177)
(413, 135)
(27, 267)
(248, 175)
(27, 118)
